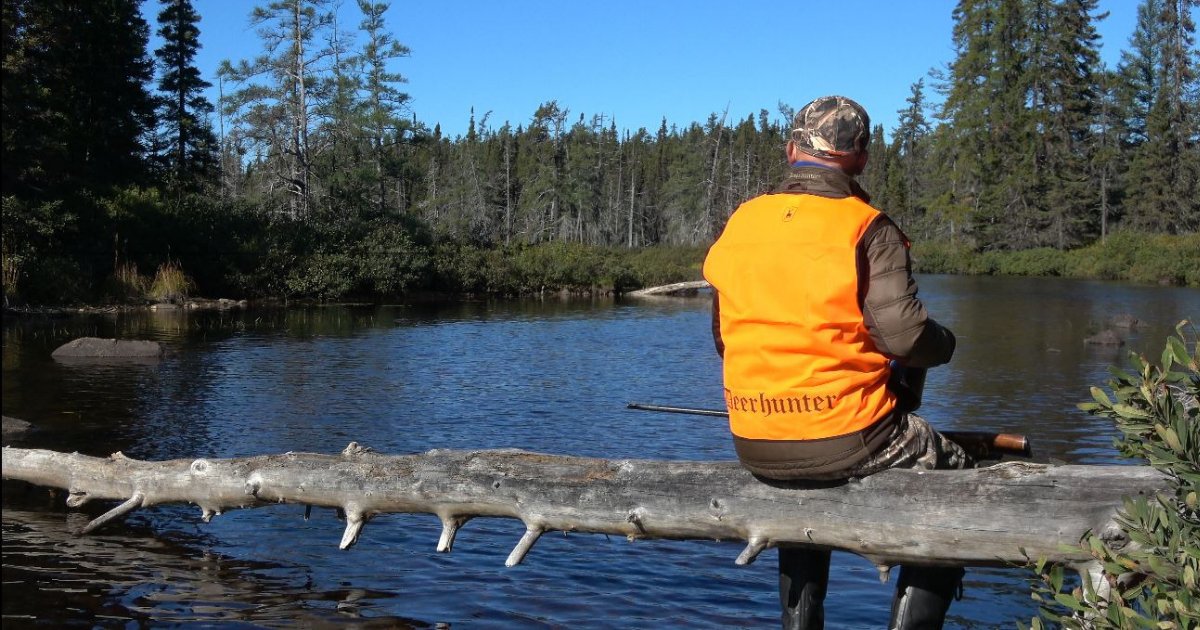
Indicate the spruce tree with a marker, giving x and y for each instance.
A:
(78, 112)
(384, 104)
(911, 153)
(875, 176)
(191, 148)
(1162, 190)
(967, 145)
(1069, 115)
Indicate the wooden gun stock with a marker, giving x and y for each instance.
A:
(983, 446)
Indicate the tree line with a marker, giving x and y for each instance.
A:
(312, 177)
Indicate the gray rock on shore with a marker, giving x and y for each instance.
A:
(95, 348)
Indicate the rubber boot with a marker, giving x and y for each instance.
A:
(923, 595)
(803, 582)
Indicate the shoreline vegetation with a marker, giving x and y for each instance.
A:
(313, 178)
(1127, 256)
(453, 271)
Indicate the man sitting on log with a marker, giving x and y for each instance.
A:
(814, 301)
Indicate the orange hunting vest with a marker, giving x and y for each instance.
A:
(799, 362)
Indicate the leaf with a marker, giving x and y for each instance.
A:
(1170, 437)
(1178, 351)
(1070, 601)
(1138, 362)
(1121, 375)
(1129, 411)
(1101, 398)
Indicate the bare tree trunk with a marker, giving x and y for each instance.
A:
(507, 191)
(705, 229)
(989, 516)
(300, 171)
(632, 199)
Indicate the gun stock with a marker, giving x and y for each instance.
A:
(982, 445)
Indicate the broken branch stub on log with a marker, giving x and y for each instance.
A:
(989, 516)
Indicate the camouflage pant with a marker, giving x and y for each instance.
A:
(914, 444)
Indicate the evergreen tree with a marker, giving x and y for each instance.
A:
(911, 154)
(1071, 201)
(1162, 187)
(874, 178)
(280, 92)
(1140, 70)
(383, 103)
(969, 167)
(191, 151)
(1106, 153)
(77, 111)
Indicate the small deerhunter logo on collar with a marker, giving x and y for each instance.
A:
(789, 213)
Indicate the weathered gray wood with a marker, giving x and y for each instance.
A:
(96, 348)
(678, 288)
(953, 518)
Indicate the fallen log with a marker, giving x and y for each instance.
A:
(999, 515)
(678, 288)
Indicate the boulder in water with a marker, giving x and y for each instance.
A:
(1108, 337)
(15, 428)
(1125, 321)
(95, 348)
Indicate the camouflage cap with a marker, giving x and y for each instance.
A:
(831, 126)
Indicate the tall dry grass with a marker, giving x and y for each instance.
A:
(171, 283)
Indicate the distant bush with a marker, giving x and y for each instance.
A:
(1132, 256)
(664, 264)
(31, 235)
(940, 257)
(389, 261)
(1044, 261)
(558, 266)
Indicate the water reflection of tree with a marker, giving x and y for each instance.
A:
(53, 578)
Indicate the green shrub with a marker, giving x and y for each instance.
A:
(1043, 261)
(326, 275)
(1157, 409)
(1133, 256)
(664, 264)
(31, 233)
(389, 262)
(56, 280)
(941, 257)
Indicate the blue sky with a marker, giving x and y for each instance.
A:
(639, 61)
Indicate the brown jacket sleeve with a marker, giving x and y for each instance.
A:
(716, 324)
(895, 318)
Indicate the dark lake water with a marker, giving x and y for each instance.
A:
(550, 376)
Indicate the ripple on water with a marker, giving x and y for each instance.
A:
(546, 376)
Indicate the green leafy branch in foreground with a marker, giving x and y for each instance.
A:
(1154, 577)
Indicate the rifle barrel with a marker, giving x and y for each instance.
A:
(716, 413)
(980, 444)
